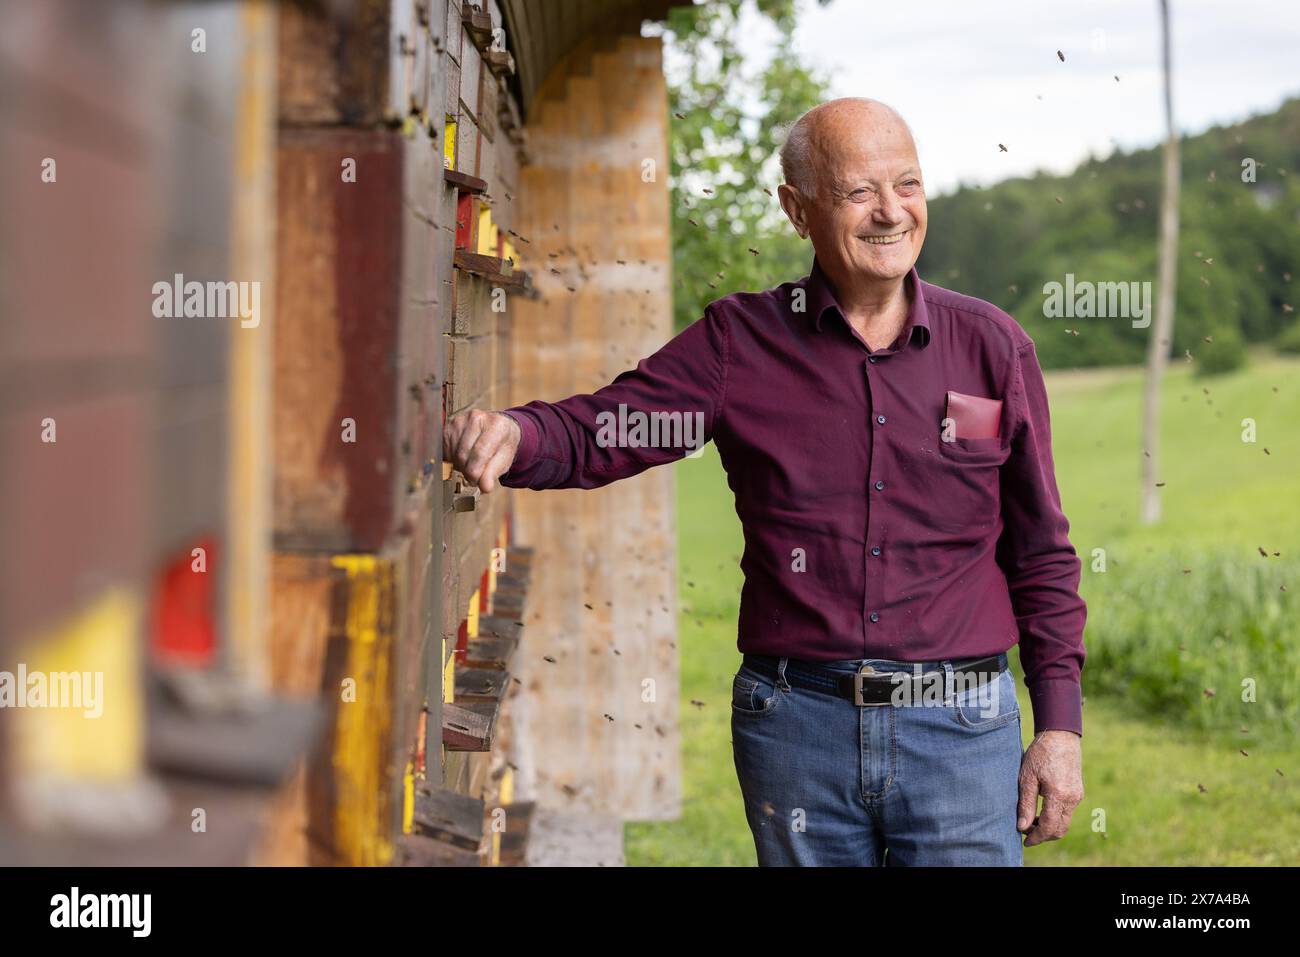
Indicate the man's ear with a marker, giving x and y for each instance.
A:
(792, 201)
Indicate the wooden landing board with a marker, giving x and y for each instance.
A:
(450, 818)
(490, 652)
(480, 684)
(469, 726)
(260, 748)
(499, 627)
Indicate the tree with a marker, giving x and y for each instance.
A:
(729, 119)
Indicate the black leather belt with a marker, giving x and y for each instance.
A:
(868, 687)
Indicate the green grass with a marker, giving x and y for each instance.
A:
(1157, 636)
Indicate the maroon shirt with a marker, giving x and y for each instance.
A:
(912, 548)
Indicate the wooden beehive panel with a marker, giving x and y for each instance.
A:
(612, 548)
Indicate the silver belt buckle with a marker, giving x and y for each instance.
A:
(859, 679)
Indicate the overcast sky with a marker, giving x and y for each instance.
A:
(968, 75)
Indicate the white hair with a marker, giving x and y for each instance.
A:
(796, 156)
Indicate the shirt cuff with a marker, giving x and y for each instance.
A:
(1058, 706)
(529, 439)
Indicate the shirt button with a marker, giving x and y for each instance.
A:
(874, 616)
(879, 485)
(875, 549)
(880, 419)
(871, 359)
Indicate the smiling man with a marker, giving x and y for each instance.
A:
(888, 444)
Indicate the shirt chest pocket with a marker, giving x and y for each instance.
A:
(960, 483)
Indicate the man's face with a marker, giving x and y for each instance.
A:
(868, 218)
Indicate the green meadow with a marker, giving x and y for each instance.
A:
(1192, 682)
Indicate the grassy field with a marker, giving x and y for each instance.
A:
(1184, 605)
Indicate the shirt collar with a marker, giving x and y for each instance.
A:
(822, 297)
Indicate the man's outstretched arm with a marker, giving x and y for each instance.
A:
(665, 408)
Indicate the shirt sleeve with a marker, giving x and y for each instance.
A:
(1041, 566)
(664, 409)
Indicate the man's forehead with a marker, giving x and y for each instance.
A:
(842, 166)
(864, 145)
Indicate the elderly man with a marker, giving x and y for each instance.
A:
(889, 448)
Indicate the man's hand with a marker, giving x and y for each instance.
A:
(480, 445)
(1053, 767)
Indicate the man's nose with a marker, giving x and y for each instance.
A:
(889, 210)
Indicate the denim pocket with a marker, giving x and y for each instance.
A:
(753, 695)
(982, 706)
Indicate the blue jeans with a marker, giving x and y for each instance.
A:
(827, 782)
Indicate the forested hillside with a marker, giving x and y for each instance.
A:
(1237, 251)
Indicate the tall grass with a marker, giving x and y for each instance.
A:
(1191, 636)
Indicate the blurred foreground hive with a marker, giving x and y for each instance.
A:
(252, 257)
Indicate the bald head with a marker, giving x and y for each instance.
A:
(822, 136)
(853, 187)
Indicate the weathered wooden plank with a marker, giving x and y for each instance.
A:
(473, 315)
(514, 839)
(611, 548)
(337, 622)
(336, 339)
(469, 360)
(348, 67)
(467, 141)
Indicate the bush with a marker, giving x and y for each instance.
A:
(1227, 353)
(1161, 638)
(1288, 340)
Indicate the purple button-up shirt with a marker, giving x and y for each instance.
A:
(866, 535)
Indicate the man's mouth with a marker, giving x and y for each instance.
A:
(886, 240)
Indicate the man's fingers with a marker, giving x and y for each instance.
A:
(1028, 801)
(1053, 823)
(473, 428)
(485, 449)
(480, 445)
(496, 467)
(492, 453)
(1055, 817)
(452, 432)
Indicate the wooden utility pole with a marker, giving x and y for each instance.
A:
(1162, 334)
